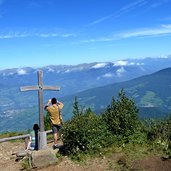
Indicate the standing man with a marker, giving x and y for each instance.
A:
(55, 117)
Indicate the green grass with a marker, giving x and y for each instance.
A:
(12, 134)
(121, 157)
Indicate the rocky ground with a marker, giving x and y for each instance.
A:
(114, 162)
(8, 157)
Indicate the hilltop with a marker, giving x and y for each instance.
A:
(103, 163)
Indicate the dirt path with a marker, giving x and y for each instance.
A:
(8, 162)
(68, 165)
(152, 164)
(7, 159)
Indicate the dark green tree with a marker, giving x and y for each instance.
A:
(121, 116)
(76, 110)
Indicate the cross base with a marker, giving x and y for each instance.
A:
(42, 140)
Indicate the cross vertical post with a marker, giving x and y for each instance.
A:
(40, 87)
(40, 96)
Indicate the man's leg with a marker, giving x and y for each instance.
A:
(55, 131)
(55, 137)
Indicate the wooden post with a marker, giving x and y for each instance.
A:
(40, 87)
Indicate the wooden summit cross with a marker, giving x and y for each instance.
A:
(40, 87)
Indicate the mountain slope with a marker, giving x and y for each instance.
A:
(150, 92)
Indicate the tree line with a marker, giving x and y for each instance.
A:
(118, 125)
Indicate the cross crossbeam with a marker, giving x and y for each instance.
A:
(27, 88)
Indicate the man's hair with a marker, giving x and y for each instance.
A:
(54, 101)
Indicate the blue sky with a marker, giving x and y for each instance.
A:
(44, 32)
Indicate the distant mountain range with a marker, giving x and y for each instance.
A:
(94, 84)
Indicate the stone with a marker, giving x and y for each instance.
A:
(21, 153)
(43, 158)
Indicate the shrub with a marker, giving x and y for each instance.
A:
(159, 133)
(85, 132)
(121, 116)
(47, 122)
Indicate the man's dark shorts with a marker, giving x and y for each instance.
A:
(56, 128)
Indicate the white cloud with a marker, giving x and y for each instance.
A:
(68, 70)
(120, 71)
(21, 72)
(99, 20)
(68, 35)
(77, 68)
(31, 33)
(46, 35)
(139, 64)
(121, 11)
(163, 56)
(162, 30)
(50, 70)
(99, 65)
(120, 63)
(108, 75)
(126, 63)
(128, 8)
